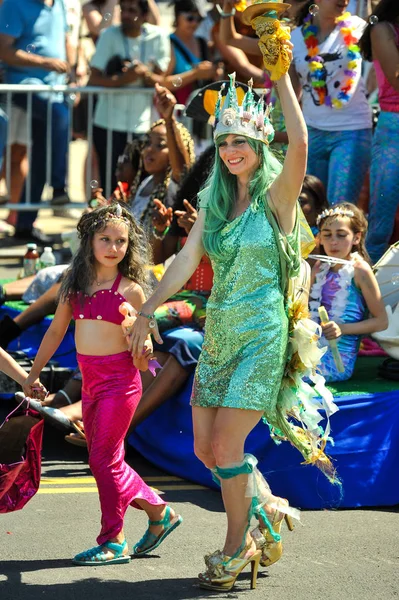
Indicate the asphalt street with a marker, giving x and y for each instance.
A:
(331, 555)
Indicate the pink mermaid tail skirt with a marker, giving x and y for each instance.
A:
(110, 394)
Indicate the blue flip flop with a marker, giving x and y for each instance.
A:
(97, 556)
(150, 541)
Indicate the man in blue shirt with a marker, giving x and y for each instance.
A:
(33, 48)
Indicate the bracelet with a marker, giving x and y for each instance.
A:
(159, 236)
(225, 15)
(151, 319)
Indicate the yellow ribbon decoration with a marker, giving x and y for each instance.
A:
(271, 37)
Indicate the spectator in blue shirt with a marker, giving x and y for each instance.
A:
(33, 48)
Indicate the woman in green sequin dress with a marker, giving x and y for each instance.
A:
(241, 366)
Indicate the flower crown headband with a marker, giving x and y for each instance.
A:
(334, 212)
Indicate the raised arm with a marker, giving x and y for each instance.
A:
(178, 155)
(286, 188)
(175, 277)
(229, 34)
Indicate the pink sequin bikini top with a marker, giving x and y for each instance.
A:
(102, 305)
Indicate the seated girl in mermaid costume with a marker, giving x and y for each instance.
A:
(346, 286)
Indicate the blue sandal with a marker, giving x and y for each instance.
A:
(97, 556)
(150, 541)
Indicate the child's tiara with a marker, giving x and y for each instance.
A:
(331, 212)
(112, 216)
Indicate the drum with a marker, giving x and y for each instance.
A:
(386, 271)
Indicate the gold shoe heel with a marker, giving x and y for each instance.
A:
(289, 522)
(255, 560)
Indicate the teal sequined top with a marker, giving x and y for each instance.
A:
(246, 332)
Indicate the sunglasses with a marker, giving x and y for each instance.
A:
(192, 18)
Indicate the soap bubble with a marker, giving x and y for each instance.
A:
(72, 97)
(107, 17)
(373, 20)
(313, 9)
(177, 82)
(395, 279)
(30, 48)
(93, 184)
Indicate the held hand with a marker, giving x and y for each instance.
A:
(56, 64)
(34, 389)
(187, 218)
(164, 101)
(142, 363)
(331, 330)
(97, 198)
(131, 72)
(139, 336)
(161, 216)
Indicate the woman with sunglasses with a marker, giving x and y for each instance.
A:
(189, 66)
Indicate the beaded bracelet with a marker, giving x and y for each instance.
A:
(151, 319)
(159, 236)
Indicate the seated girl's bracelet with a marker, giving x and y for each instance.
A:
(223, 14)
(151, 319)
(158, 235)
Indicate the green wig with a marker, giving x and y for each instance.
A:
(222, 191)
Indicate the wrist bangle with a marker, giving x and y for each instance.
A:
(159, 236)
(151, 319)
(225, 15)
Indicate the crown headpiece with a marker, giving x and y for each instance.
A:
(334, 212)
(112, 215)
(251, 119)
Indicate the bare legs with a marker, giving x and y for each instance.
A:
(219, 438)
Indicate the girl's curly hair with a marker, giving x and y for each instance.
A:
(161, 189)
(134, 265)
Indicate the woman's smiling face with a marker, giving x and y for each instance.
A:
(238, 156)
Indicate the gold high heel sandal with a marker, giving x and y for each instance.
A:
(222, 571)
(272, 550)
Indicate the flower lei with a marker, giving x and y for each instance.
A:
(316, 62)
(339, 302)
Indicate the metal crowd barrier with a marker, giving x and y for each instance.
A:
(70, 93)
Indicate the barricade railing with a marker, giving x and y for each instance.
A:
(7, 91)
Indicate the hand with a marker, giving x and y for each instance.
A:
(164, 102)
(97, 198)
(142, 363)
(34, 389)
(161, 216)
(331, 330)
(55, 64)
(187, 218)
(205, 70)
(139, 336)
(131, 72)
(118, 194)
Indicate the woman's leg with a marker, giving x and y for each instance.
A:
(384, 184)
(349, 162)
(203, 423)
(231, 429)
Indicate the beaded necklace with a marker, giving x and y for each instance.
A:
(316, 62)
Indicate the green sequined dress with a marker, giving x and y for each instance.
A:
(246, 332)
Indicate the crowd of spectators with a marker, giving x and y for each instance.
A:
(141, 153)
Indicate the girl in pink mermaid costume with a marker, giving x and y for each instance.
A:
(346, 286)
(108, 269)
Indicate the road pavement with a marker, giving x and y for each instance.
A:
(331, 555)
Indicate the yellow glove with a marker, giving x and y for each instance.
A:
(272, 35)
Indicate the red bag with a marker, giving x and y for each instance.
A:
(20, 459)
